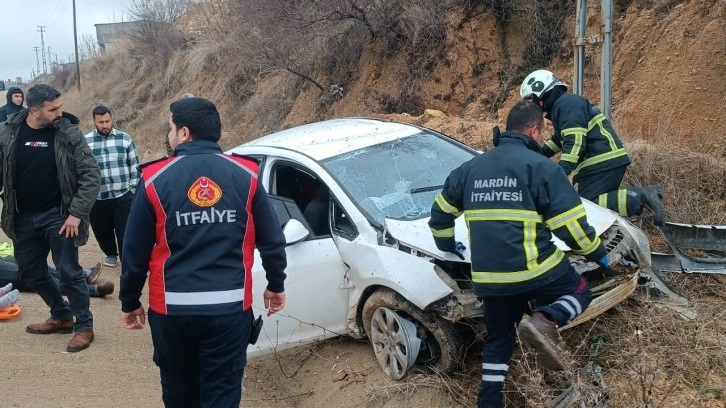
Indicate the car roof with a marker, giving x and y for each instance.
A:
(330, 138)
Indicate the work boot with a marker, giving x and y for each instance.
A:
(540, 334)
(95, 273)
(104, 288)
(80, 341)
(651, 197)
(51, 326)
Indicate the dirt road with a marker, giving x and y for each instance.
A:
(117, 369)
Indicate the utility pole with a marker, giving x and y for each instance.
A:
(75, 40)
(42, 48)
(50, 60)
(37, 59)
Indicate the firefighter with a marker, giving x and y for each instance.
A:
(513, 200)
(592, 152)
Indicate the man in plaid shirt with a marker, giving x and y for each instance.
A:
(116, 156)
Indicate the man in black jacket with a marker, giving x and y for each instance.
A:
(591, 150)
(50, 181)
(195, 221)
(15, 98)
(514, 199)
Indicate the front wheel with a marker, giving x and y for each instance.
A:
(440, 346)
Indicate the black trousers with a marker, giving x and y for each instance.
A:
(201, 359)
(560, 300)
(603, 188)
(108, 220)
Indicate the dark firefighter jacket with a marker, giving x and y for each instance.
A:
(194, 224)
(513, 200)
(583, 135)
(78, 173)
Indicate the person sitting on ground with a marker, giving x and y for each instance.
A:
(8, 296)
(9, 275)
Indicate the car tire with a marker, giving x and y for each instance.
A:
(441, 347)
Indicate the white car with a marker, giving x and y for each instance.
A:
(354, 198)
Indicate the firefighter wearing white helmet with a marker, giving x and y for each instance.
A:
(590, 149)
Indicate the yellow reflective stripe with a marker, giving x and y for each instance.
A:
(572, 131)
(602, 200)
(581, 238)
(569, 215)
(502, 214)
(443, 233)
(595, 244)
(553, 146)
(622, 202)
(597, 121)
(599, 118)
(574, 155)
(530, 246)
(519, 276)
(446, 207)
(600, 158)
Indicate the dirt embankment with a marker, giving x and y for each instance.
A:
(669, 91)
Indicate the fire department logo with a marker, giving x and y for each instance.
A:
(204, 192)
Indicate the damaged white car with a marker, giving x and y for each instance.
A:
(354, 197)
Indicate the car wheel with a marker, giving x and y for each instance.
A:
(440, 346)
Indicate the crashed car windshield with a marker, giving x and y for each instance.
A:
(398, 179)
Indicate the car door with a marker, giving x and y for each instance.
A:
(316, 290)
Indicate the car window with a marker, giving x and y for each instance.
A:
(310, 196)
(342, 224)
(286, 209)
(401, 178)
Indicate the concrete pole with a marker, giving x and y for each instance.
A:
(580, 28)
(606, 65)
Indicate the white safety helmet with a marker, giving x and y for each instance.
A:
(538, 83)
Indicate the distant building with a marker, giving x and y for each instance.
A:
(111, 33)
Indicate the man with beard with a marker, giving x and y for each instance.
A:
(116, 156)
(50, 182)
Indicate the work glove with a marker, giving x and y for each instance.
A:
(604, 262)
(455, 247)
(495, 135)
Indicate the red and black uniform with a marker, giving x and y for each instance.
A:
(194, 224)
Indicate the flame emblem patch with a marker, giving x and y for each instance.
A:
(204, 192)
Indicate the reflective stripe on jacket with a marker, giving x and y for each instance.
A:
(194, 225)
(513, 200)
(584, 136)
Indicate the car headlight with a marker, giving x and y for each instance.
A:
(641, 247)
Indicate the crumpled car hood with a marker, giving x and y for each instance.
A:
(417, 234)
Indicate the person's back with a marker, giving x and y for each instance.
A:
(599, 148)
(506, 187)
(194, 225)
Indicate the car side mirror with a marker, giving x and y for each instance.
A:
(294, 232)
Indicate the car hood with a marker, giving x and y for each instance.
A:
(417, 234)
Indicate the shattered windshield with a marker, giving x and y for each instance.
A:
(398, 179)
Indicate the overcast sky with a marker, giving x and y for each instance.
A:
(19, 21)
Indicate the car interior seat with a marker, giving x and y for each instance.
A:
(316, 212)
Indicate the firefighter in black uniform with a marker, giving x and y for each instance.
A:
(591, 150)
(194, 226)
(514, 199)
